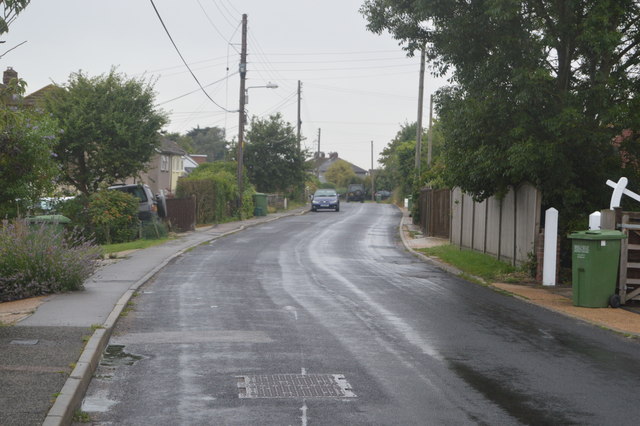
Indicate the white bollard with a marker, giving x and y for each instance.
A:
(406, 203)
(550, 247)
(594, 221)
(285, 204)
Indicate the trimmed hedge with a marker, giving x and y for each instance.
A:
(214, 187)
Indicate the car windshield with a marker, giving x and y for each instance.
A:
(325, 193)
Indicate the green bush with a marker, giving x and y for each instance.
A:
(153, 230)
(113, 216)
(42, 259)
(214, 185)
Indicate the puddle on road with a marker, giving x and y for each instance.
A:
(115, 356)
(97, 404)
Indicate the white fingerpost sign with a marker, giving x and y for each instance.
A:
(620, 188)
(550, 247)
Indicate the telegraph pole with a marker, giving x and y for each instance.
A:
(419, 123)
(430, 133)
(299, 121)
(373, 185)
(241, 119)
(318, 155)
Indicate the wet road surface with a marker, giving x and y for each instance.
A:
(324, 319)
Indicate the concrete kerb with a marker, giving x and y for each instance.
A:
(70, 397)
(441, 265)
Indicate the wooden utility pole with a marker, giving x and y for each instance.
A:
(299, 120)
(318, 155)
(241, 113)
(430, 133)
(420, 102)
(373, 184)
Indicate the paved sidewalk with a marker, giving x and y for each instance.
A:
(558, 298)
(50, 354)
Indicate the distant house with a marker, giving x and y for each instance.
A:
(164, 169)
(29, 101)
(321, 164)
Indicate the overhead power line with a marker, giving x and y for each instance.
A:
(197, 90)
(183, 60)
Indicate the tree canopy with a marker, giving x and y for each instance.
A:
(272, 159)
(210, 141)
(10, 11)
(110, 128)
(540, 90)
(340, 173)
(27, 137)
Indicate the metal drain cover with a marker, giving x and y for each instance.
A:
(294, 386)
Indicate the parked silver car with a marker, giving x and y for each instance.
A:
(150, 207)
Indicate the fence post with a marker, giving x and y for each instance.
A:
(594, 221)
(550, 247)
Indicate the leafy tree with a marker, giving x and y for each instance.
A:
(340, 173)
(27, 137)
(541, 89)
(272, 159)
(210, 141)
(110, 128)
(10, 11)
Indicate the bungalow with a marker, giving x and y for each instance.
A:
(321, 164)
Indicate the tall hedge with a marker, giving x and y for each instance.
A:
(214, 187)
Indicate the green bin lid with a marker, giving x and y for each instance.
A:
(598, 234)
(49, 218)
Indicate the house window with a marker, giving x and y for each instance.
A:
(164, 163)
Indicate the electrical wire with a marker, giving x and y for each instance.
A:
(183, 60)
(212, 24)
(197, 90)
(222, 13)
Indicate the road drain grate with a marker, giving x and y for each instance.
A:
(294, 386)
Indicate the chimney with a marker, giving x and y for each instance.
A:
(9, 75)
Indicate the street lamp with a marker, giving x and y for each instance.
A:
(269, 85)
(244, 97)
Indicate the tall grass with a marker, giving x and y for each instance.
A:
(42, 259)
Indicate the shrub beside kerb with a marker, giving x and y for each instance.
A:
(42, 259)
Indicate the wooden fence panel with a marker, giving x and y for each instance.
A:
(506, 228)
(181, 214)
(435, 212)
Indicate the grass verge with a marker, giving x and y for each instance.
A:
(477, 264)
(132, 245)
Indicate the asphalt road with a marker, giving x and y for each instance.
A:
(251, 328)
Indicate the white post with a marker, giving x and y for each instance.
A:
(594, 221)
(550, 247)
(285, 204)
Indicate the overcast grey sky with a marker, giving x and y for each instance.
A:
(358, 87)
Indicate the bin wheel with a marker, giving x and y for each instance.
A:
(614, 301)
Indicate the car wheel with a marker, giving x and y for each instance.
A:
(338, 208)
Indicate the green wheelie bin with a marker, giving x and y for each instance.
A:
(260, 204)
(595, 262)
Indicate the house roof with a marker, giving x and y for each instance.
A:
(36, 97)
(167, 146)
(323, 164)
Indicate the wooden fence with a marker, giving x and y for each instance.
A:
(506, 229)
(435, 212)
(181, 214)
